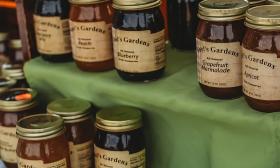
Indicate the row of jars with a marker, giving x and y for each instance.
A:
(233, 56)
(128, 35)
(67, 135)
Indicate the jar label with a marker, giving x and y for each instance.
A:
(139, 51)
(8, 144)
(81, 155)
(261, 73)
(118, 159)
(91, 41)
(24, 163)
(219, 64)
(52, 35)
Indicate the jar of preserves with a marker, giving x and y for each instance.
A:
(15, 51)
(218, 38)
(42, 142)
(139, 39)
(14, 105)
(15, 72)
(253, 3)
(3, 48)
(52, 30)
(261, 63)
(91, 34)
(79, 129)
(119, 138)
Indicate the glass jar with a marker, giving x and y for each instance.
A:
(15, 51)
(14, 105)
(52, 30)
(42, 142)
(91, 34)
(219, 36)
(119, 139)
(15, 72)
(3, 48)
(261, 62)
(182, 23)
(79, 129)
(139, 40)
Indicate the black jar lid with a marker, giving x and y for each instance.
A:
(119, 119)
(40, 127)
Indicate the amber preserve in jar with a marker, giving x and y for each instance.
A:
(91, 34)
(42, 142)
(139, 39)
(261, 59)
(219, 36)
(119, 138)
(52, 30)
(79, 129)
(14, 105)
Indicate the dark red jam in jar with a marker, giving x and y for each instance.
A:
(261, 59)
(14, 105)
(79, 129)
(139, 40)
(91, 34)
(119, 138)
(42, 142)
(52, 30)
(219, 36)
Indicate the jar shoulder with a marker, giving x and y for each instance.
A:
(52, 8)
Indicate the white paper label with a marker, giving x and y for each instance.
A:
(52, 35)
(119, 159)
(261, 73)
(219, 64)
(81, 155)
(91, 41)
(24, 163)
(139, 51)
(8, 144)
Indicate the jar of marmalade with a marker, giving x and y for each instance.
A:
(52, 30)
(79, 129)
(3, 48)
(261, 59)
(91, 34)
(15, 72)
(139, 39)
(14, 105)
(219, 36)
(15, 51)
(42, 142)
(119, 138)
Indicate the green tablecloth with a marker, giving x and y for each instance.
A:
(184, 128)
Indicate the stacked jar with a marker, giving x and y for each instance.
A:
(14, 105)
(219, 36)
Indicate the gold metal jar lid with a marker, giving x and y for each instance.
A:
(17, 99)
(273, 2)
(119, 119)
(15, 44)
(87, 2)
(222, 10)
(135, 4)
(13, 71)
(266, 17)
(40, 127)
(3, 36)
(70, 109)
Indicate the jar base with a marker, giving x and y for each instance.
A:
(95, 66)
(141, 77)
(263, 105)
(222, 93)
(58, 58)
(10, 165)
